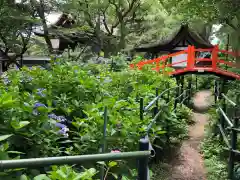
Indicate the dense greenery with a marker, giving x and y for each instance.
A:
(59, 111)
(216, 157)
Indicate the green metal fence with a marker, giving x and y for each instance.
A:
(228, 123)
(181, 96)
(142, 156)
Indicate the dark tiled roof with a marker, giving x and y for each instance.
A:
(184, 33)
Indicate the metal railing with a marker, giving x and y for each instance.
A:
(181, 97)
(228, 123)
(142, 157)
(145, 147)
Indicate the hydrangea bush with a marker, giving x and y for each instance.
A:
(59, 111)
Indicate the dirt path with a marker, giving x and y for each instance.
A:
(188, 164)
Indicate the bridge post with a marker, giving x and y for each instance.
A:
(191, 57)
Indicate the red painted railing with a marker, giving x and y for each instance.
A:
(192, 62)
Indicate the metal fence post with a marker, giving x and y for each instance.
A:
(141, 108)
(156, 106)
(233, 144)
(215, 91)
(189, 90)
(143, 171)
(182, 91)
(104, 139)
(176, 96)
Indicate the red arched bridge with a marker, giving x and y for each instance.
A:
(214, 64)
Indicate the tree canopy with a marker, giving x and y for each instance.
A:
(119, 25)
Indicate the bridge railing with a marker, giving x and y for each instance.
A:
(227, 123)
(192, 60)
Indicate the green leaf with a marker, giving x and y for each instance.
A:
(101, 162)
(23, 124)
(61, 174)
(4, 137)
(41, 177)
(115, 175)
(4, 156)
(113, 132)
(23, 177)
(112, 163)
(161, 132)
(19, 125)
(15, 152)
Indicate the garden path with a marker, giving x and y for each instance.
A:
(188, 163)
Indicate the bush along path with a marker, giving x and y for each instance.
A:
(188, 163)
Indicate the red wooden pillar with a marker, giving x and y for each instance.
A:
(157, 65)
(191, 57)
(215, 57)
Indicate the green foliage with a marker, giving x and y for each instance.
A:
(214, 154)
(80, 93)
(216, 167)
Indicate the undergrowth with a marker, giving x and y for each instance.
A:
(212, 149)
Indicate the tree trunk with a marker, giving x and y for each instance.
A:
(40, 10)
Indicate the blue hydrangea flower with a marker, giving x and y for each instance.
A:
(60, 125)
(61, 119)
(53, 116)
(29, 79)
(6, 81)
(58, 118)
(36, 105)
(40, 92)
(35, 112)
(107, 80)
(63, 129)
